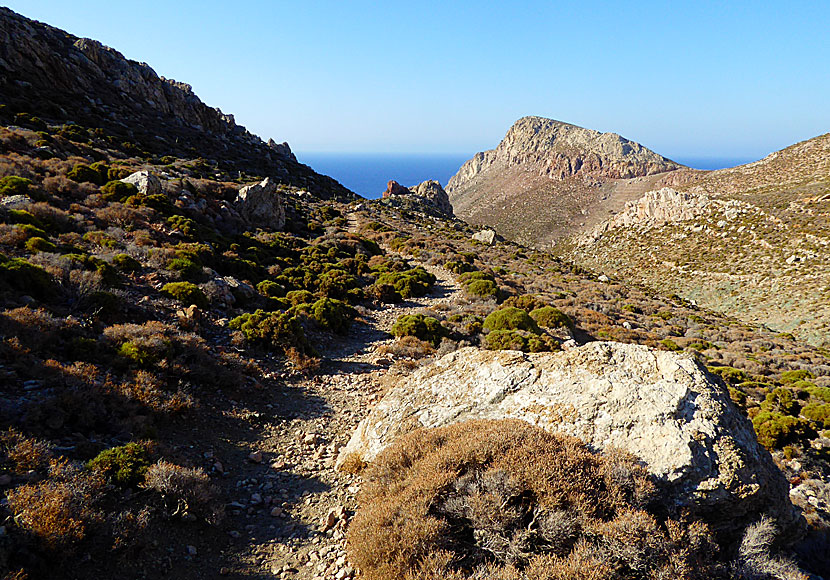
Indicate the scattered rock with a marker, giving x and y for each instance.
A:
(432, 193)
(260, 203)
(660, 406)
(16, 201)
(191, 550)
(486, 236)
(145, 182)
(255, 457)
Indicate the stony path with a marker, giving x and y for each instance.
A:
(293, 506)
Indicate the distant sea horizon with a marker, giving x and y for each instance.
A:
(368, 173)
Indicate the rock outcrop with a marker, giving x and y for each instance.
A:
(485, 236)
(428, 197)
(549, 180)
(60, 78)
(145, 182)
(558, 150)
(658, 405)
(261, 204)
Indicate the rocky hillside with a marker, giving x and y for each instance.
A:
(751, 241)
(50, 76)
(577, 175)
(201, 373)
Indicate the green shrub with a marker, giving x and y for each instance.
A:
(277, 330)
(126, 263)
(795, 376)
(409, 283)
(99, 238)
(822, 393)
(510, 318)
(186, 268)
(422, 327)
(118, 191)
(185, 226)
(384, 293)
(550, 317)
(13, 185)
(25, 277)
(123, 466)
(74, 133)
(187, 293)
(457, 267)
(297, 297)
(518, 340)
(84, 173)
(738, 397)
(333, 314)
(781, 400)
(23, 217)
(774, 430)
(270, 289)
(730, 375)
(38, 244)
(818, 413)
(670, 345)
(336, 283)
(633, 308)
(482, 289)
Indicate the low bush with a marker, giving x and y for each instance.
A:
(781, 400)
(550, 317)
(13, 185)
(333, 314)
(774, 429)
(38, 244)
(84, 173)
(297, 297)
(518, 340)
(510, 318)
(507, 500)
(123, 466)
(422, 327)
(730, 375)
(118, 191)
(184, 490)
(409, 283)
(276, 330)
(482, 289)
(126, 263)
(24, 277)
(819, 413)
(186, 292)
(270, 289)
(788, 377)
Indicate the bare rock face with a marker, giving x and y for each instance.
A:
(559, 150)
(660, 406)
(145, 182)
(262, 204)
(428, 197)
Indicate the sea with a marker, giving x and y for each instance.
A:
(368, 173)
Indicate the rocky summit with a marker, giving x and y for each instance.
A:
(546, 178)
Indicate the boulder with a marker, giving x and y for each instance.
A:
(261, 204)
(395, 188)
(434, 194)
(486, 236)
(16, 201)
(145, 182)
(660, 406)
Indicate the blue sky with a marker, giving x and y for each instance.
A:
(688, 79)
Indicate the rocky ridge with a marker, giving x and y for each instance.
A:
(59, 78)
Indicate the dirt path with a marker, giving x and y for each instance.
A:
(292, 507)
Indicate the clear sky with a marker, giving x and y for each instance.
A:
(734, 79)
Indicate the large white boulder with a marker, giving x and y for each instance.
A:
(262, 204)
(660, 406)
(145, 182)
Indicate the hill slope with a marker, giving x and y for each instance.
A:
(751, 241)
(546, 178)
(58, 78)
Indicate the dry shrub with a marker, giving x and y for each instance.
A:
(754, 558)
(59, 510)
(185, 490)
(23, 453)
(302, 363)
(505, 499)
(407, 346)
(148, 390)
